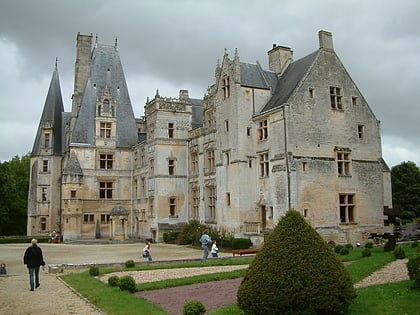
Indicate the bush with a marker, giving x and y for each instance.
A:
(349, 246)
(113, 281)
(191, 232)
(369, 245)
(338, 248)
(366, 252)
(130, 263)
(344, 251)
(241, 243)
(415, 244)
(399, 253)
(295, 272)
(94, 271)
(413, 267)
(194, 308)
(170, 237)
(117, 267)
(127, 283)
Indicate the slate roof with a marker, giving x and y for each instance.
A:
(53, 108)
(290, 79)
(106, 73)
(197, 112)
(252, 75)
(72, 166)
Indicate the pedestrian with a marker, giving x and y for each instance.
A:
(3, 270)
(147, 251)
(205, 241)
(33, 259)
(214, 249)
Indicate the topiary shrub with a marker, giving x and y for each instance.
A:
(338, 248)
(295, 272)
(241, 243)
(399, 253)
(349, 246)
(170, 237)
(413, 267)
(94, 271)
(127, 283)
(366, 252)
(344, 251)
(130, 263)
(117, 267)
(113, 281)
(194, 308)
(369, 245)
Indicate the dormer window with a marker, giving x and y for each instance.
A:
(106, 109)
(105, 130)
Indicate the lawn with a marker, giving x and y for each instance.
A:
(391, 298)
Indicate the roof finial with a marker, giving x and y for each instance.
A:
(56, 62)
(116, 41)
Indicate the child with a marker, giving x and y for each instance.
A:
(147, 251)
(214, 250)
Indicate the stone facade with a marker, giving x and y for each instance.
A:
(297, 136)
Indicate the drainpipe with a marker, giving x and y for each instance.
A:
(286, 156)
(131, 197)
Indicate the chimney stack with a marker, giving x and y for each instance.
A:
(279, 58)
(325, 40)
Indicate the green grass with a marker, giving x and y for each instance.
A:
(391, 298)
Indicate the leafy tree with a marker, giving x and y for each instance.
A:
(14, 185)
(295, 272)
(406, 189)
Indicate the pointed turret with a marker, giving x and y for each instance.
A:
(49, 138)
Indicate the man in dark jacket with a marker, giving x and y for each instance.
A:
(33, 259)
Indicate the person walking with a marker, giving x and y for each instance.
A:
(33, 259)
(147, 251)
(205, 241)
(214, 249)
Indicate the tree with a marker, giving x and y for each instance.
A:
(406, 189)
(295, 272)
(14, 185)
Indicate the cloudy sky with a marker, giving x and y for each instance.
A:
(171, 45)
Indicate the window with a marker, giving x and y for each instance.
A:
(211, 203)
(361, 132)
(248, 131)
(105, 190)
(304, 166)
(105, 161)
(209, 119)
(343, 163)
(354, 100)
(170, 130)
(264, 164)
(195, 198)
(172, 207)
(143, 186)
(226, 87)
(43, 224)
(227, 157)
(194, 162)
(250, 163)
(89, 218)
(262, 130)
(347, 208)
(171, 166)
(226, 125)
(152, 166)
(72, 194)
(45, 166)
(47, 140)
(305, 213)
(151, 209)
(105, 218)
(311, 93)
(105, 130)
(210, 161)
(228, 198)
(44, 191)
(335, 97)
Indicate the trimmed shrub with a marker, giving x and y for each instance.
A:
(295, 272)
(127, 283)
(399, 253)
(415, 244)
(366, 252)
(338, 248)
(191, 232)
(413, 267)
(94, 271)
(241, 243)
(369, 245)
(130, 263)
(170, 237)
(344, 251)
(194, 308)
(113, 281)
(117, 267)
(349, 246)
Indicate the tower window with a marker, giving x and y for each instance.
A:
(226, 87)
(171, 166)
(45, 166)
(170, 130)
